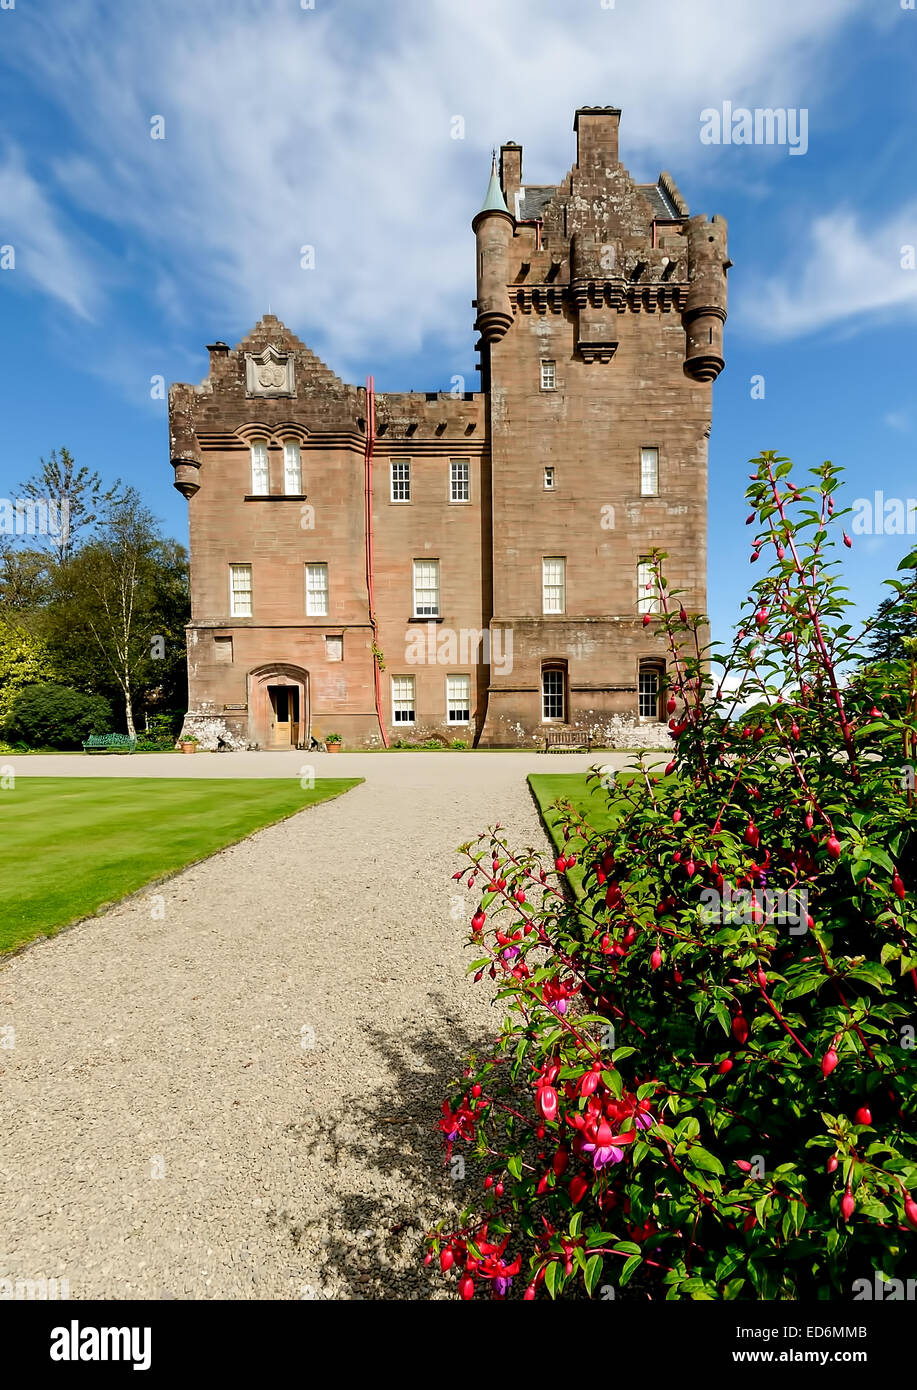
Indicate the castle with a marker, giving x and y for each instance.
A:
(470, 566)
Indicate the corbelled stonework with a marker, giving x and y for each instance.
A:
(600, 307)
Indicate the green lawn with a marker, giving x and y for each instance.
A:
(590, 799)
(70, 845)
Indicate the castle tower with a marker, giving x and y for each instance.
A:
(599, 401)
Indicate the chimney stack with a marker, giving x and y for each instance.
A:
(597, 135)
(511, 172)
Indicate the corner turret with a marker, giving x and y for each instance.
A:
(493, 228)
(705, 306)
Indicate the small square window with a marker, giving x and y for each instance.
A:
(549, 479)
(459, 480)
(548, 375)
(222, 651)
(401, 480)
(334, 648)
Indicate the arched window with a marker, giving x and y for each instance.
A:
(554, 692)
(649, 691)
(292, 468)
(261, 473)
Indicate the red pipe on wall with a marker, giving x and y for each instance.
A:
(368, 494)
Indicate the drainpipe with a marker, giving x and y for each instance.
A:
(368, 491)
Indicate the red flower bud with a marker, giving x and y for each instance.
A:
(466, 1287)
(833, 846)
(725, 1066)
(910, 1210)
(847, 1205)
(656, 959)
(477, 922)
(863, 1116)
(832, 1164)
(446, 1260)
(578, 1189)
(647, 619)
(847, 541)
(740, 1029)
(743, 1165)
(898, 887)
(828, 1062)
(547, 1102)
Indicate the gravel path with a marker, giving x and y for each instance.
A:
(163, 1130)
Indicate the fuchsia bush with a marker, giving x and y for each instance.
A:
(705, 1072)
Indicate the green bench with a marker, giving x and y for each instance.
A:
(109, 743)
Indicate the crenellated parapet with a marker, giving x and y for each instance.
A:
(598, 245)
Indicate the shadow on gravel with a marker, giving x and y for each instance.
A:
(387, 1140)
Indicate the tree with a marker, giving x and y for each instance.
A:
(76, 498)
(121, 604)
(56, 716)
(24, 661)
(25, 578)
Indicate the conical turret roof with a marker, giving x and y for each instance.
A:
(494, 201)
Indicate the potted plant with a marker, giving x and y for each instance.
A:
(332, 743)
(188, 743)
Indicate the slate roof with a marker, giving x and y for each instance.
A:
(657, 200)
(537, 196)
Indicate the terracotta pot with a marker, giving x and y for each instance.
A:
(332, 748)
(188, 747)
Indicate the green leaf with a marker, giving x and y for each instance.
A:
(629, 1267)
(701, 1158)
(593, 1272)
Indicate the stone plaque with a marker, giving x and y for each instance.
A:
(269, 373)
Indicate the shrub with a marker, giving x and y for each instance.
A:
(56, 716)
(705, 1072)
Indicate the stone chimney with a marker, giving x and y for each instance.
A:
(511, 171)
(597, 135)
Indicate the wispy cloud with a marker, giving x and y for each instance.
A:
(333, 129)
(845, 273)
(45, 254)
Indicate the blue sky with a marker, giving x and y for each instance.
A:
(332, 127)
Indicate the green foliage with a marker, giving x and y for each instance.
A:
(24, 661)
(705, 1079)
(56, 716)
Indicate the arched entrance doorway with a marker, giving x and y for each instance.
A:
(278, 706)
